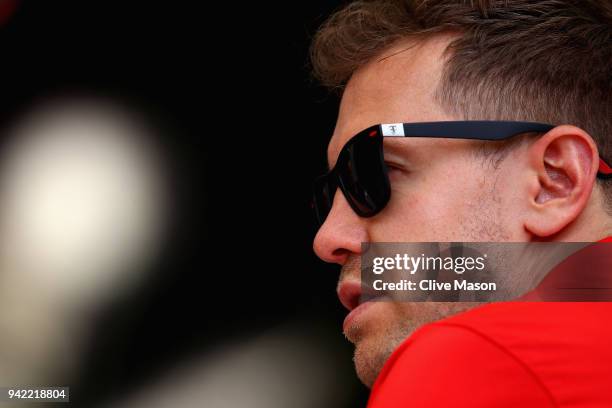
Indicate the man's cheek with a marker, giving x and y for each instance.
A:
(406, 219)
(397, 218)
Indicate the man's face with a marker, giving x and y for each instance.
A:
(441, 191)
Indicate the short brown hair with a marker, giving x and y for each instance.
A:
(546, 61)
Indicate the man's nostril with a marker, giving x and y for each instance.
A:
(339, 251)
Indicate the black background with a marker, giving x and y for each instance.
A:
(245, 129)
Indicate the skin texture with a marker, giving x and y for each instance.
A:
(446, 191)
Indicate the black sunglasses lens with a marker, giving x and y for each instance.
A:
(363, 175)
(324, 190)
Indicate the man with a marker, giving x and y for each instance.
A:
(456, 60)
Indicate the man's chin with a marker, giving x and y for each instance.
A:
(375, 339)
(371, 353)
(375, 334)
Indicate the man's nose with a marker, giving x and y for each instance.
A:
(341, 234)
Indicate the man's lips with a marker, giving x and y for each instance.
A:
(352, 293)
(349, 293)
(355, 298)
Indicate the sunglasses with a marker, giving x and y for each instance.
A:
(361, 173)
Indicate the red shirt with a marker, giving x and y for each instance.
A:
(512, 354)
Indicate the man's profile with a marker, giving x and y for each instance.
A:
(459, 61)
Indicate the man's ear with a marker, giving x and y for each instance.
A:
(564, 165)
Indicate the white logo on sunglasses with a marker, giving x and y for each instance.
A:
(393, 129)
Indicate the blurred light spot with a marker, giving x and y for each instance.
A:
(81, 216)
